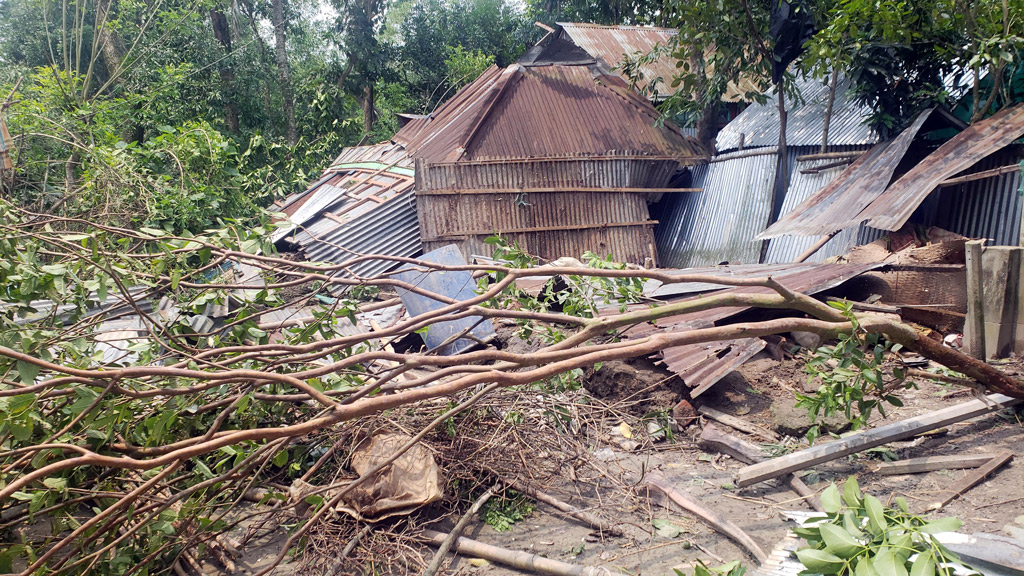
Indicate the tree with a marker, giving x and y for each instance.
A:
(284, 75)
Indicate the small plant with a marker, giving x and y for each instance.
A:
(850, 377)
(861, 537)
(502, 512)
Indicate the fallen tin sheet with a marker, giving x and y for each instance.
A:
(860, 196)
(830, 209)
(458, 285)
(893, 208)
(702, 365)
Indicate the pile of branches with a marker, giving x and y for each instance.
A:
(139, 452)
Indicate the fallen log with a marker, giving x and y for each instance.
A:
(449, 540)
(737, 423)
(516, 559)
(973, 479)
(931, 463)
(709, 517)
(711, 438)
(567, 509)
(869, 439)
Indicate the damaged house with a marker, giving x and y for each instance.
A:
(561, 159)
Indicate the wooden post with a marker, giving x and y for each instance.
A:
(975, 325)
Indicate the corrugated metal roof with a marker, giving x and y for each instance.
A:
(758, 124)
(610, 45)
(859, 195)
(719, 223)
(837, 205)
(614, 43)
(543, 112)
(364, 204)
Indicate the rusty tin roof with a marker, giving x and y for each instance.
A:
(862, 194)
(551, 111)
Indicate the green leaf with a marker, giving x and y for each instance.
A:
(830, 499)
(256, 332)
(820, 561)
(851, 493)
(666, 529)
(28, 372)
(924, 565)
(865, 568)
(888, 564)
(175, 279)
(876, 515)
(55, 483)
(838, 541)
(942, 525)
(281, 458)
(20, 403)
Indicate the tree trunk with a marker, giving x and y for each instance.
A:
(368, 110)
(828, 110)
(284, 75)
(108, 39)
(222, 32)
(781, 169)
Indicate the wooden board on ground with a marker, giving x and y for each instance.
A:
(870, 438)
(973, 479)
(932, 463)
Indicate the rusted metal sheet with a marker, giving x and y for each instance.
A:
(613, 44)
(702, 365)
(561, 221)
(544, 112)
(838, 206)
(895, 206)
(859, 195)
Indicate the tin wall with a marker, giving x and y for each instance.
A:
(551, 207)
(989, 208)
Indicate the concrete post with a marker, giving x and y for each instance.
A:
(974, 328)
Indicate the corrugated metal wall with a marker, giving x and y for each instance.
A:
(718, 224)
(534, 203)
(989, 208)
(801, 187)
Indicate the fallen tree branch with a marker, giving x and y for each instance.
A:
(519, 560)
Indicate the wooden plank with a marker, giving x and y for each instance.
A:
(564, 189)
(870, 438)
(981, 175)
(464, 233)
(738, 424)
(712, 438)
(931, 463)
(974, 479)
(708, 516)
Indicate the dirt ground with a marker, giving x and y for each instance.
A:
(748, 394)
(609, 482)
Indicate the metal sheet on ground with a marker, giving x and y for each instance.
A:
(458, 285)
